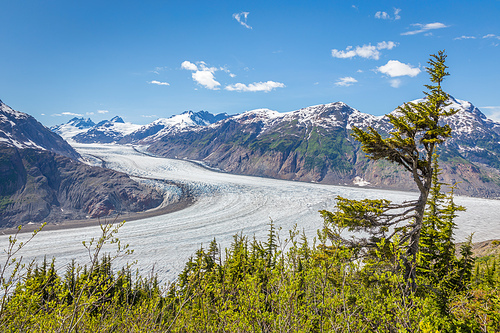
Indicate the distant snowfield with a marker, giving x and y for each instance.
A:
(226, 205)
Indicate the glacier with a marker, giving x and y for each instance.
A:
(226, 205)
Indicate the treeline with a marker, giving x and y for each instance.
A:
(277, 285)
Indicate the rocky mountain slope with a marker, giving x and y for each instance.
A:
(314, 144)
(22, 131)
(42, 180)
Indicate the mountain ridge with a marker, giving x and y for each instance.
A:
(314, 144)
(44, 181)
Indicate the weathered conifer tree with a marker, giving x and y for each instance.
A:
(417, 131)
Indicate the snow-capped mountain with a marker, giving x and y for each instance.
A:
(469, 121)
(310, 144)
(20, 130)
(164, 126)
(314, 144)
(106, 131)
(73, 127)
(117, 130)
(326, 116)
(41, 178)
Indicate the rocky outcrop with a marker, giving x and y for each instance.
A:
(41, 186)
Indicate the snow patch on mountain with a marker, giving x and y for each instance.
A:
(106, 131)
(468, 122)
(73, 127)
(8, 111)
(188, 120)
(22, 131)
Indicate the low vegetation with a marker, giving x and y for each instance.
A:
(278, 285)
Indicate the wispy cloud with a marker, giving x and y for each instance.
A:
(382, 15)
(242, 19)
(224, 69)
(366, 51)
(425, 28)
(150, 116)
(491, 36)
(395, 83)
(346, 81)
(464, 37)
(385, 16)
(159, 83)
(396, 13)
(257, 86)
(157, 70)
(202, 74)
(67, 114)
(394, 68)
(102, 111)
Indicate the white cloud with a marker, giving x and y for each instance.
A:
(242, 19)
(385, 16)
(160, 83)
(396, 13)
(491, 36)
(151, 116)
(394, 68)
(203, 74)
(257, 86)
(227, 71)
(102, 111)
(464, 37)
(382, 15)
(386, 45)
(89, 113)
(67, 114)
(425, 28)
(346, 81)
(189, 66)
(366, 51)
(348, 53)
(206, 78)
(395, 83)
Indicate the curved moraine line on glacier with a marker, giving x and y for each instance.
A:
(226, 204)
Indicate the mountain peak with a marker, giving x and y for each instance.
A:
(117, 119)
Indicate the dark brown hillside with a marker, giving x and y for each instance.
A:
(40, 186)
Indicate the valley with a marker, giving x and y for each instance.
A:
(225, 205)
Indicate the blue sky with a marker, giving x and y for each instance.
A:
(148, 59)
